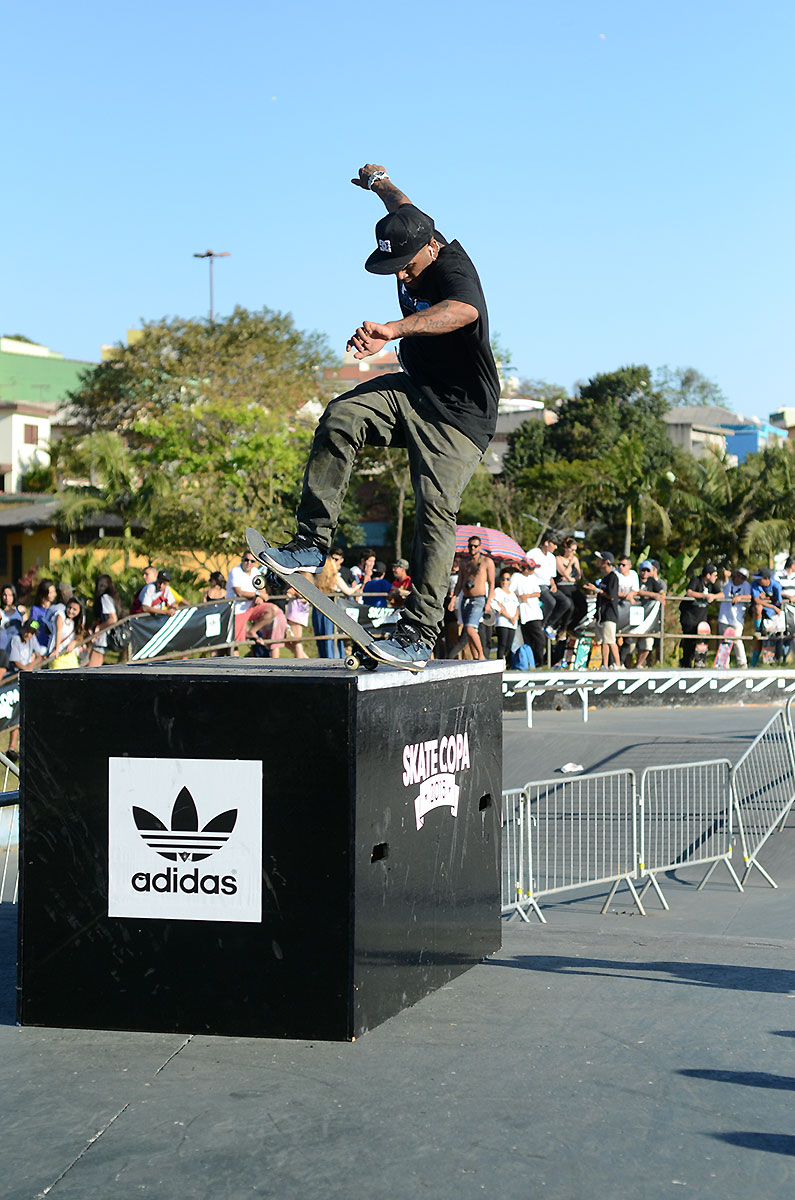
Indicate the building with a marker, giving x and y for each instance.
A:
(34, 385)
(784, 418)
(353, 371)
(700, 428)
(512, 412)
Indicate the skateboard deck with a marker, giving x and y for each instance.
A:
(582, 652)
(724, 652)
(361, 656)
(700, 656)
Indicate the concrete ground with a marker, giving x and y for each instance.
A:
(594, 1057)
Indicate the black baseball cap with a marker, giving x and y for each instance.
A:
(400, 235)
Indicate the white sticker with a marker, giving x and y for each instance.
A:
(212, 625)
(185, 839)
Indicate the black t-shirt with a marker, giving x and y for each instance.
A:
(607, 598)
(652, 585)
(697, 609)
(455, 372)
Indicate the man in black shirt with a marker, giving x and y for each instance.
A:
(442, 408)
(701, 590)
(651, 589)
(606, 610)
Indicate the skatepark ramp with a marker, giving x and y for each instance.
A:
(564, 834)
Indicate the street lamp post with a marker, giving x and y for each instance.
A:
(211, 254)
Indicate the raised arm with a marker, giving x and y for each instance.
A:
(381, 184)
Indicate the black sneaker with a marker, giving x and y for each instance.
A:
(301, 554)
(404, 649)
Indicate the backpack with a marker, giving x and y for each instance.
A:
(523, 658)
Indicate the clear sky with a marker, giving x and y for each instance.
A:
(620, 172)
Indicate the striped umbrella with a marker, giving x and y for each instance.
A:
(495, 543)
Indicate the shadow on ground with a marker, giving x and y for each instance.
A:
(712, 975)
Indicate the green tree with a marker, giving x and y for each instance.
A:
(764, 502)
(118, 484)
(622, 401)
(527, 447)
(687, 386)
(551, 395)
(248, 357)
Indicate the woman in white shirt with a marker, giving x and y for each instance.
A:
(68, 627)
(107, 608)
(506, 606)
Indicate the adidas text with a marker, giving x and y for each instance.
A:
(191, 882)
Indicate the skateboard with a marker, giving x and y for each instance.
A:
(723, 654)
(700, 657)
(582, 652)
(361, 655)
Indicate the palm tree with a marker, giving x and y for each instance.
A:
(115, 486)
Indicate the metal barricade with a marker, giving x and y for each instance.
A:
(515, 889)
(763, 789)
(582, 832)
(685, 819)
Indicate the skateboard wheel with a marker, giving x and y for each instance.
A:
(353, 662)
(371, 664)
(257, 582)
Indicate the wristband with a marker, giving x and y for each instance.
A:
(376, 177)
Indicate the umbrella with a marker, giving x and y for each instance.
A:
(496, 543)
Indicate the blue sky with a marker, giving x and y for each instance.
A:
(621, 173)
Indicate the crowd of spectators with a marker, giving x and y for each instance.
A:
(538, 608)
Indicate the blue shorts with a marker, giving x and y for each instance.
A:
(472, 610)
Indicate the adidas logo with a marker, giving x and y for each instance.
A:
(184, 840)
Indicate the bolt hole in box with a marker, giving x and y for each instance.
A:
(255, 848)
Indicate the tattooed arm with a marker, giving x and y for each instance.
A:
(385, 188)
(444, 317)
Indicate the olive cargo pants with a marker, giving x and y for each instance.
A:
(390, 411)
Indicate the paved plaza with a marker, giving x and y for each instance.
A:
(593, 1057)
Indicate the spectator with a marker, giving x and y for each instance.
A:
(606, 610)
(526, 585)
(476, 585)
(67, 635)
(787, 581)
(506, 608)
(106, 611)
(149, 574)
(650, 588)
(44, 598)
(556, 606)
(250, 605)
(216, 588)
(569, 578)
(628, 582)
(24, 651)
(344, 583)
(297, 615)
(329, 645)
(12, 615)
(766, 608)
(376, 591)
(701, 590)
(158, 598)
(364, 572)
(732, 609)
(401, 585)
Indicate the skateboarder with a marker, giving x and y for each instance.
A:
(442, 408)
